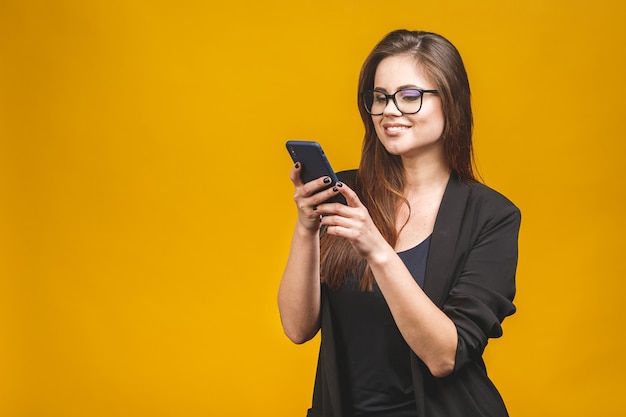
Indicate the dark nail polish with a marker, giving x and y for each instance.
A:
(326, 180)
(335, 189)
(297, 165)
(339, 184)
(314, 208)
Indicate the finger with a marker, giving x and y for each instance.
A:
(294, 175)
(333, 207)
(316, 189)
(310, 187)
(351, 197)
(339, 226)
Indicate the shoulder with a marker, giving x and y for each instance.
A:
(492, 207)
(482, 194)
(478, 202)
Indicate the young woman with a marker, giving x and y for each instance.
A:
(410, 279)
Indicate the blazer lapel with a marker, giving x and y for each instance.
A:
(439, 266)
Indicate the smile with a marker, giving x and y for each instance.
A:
(395, 128)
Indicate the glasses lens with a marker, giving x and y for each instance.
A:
(375, 102)
(409, 100)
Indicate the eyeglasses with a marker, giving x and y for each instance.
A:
(407, 100)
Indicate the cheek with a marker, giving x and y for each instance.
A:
(436, 120)
(441, 126)
(438, 129)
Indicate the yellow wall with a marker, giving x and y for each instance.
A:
(146, 212)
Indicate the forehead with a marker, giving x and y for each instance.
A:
(401, 70)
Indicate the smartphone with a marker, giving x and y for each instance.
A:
(314, 164)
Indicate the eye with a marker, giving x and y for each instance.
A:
(410, 95)
(379, 97)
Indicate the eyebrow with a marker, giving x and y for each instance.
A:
(402, 87)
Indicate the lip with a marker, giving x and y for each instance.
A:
(395, 127)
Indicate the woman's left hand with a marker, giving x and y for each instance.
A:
(352, 222)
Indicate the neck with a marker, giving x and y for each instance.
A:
(424, 174)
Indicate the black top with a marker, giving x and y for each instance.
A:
(374, 360)
(470, 276)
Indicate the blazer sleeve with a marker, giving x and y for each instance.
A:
(482, 295)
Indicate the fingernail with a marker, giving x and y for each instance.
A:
(326, 180)
(339, 184)
(314, 208)
(335, 189)
(297, 165)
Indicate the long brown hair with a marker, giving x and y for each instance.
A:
(380, 179)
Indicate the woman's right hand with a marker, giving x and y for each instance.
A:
(307, 198)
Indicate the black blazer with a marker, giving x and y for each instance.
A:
(470, 275)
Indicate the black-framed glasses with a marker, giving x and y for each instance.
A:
(407, 100)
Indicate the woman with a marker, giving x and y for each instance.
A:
(409, 280)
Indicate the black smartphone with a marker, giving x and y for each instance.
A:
(314, 164)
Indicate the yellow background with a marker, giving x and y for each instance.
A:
(146, 211)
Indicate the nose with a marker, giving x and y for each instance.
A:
(391, 109)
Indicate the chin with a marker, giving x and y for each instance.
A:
(394, 152)
(393, 147)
